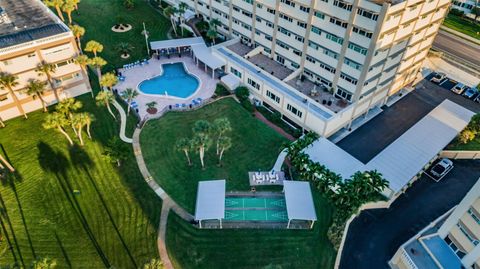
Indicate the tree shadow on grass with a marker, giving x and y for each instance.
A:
(81, 161)
(58, 164)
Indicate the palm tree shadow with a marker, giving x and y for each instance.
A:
(82, 161)
(58, 164)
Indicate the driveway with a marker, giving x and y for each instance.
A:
(370, 139)
(375, 235)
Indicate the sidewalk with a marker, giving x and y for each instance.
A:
(463, 36)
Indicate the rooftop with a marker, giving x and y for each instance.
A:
(27, 20)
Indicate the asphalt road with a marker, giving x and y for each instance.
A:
(454, 45)
(376, 234)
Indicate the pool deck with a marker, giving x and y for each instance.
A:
(140, 73)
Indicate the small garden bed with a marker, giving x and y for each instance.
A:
(121, 28)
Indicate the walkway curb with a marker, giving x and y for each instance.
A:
(463, 36)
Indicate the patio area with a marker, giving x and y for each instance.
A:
(134, 76)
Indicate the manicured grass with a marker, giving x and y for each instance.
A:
(70, 204)
(255, 146)
(252, 248)
(462, 25)
(472, 145)
(98, 17)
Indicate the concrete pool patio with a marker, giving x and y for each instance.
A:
(134, 76)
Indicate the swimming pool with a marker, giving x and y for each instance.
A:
(174, 81)
(248, 208)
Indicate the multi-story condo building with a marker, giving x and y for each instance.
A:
(466, 6)
(31, 35)
(324, 63)
(450, 242)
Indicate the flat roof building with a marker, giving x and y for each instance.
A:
(31, 35)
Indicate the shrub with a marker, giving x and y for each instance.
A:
(247, 105)
(242, 93)
(466, 136)
(221, 90)
(202, 26)
(456, 12)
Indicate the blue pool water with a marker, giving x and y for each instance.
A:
(174, 81)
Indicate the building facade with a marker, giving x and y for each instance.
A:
(466, 6)
(450, 242)
(328, 62)
(31, 35)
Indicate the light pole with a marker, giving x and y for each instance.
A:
(145, 33)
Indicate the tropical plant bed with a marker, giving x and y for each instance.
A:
(254, 146)
(152, 110)
(276, 119)
(121, 28)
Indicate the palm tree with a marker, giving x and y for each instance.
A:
(124, 48)
(154, 264)
(6, 163)
(212, 34)
(48, 70)
(94, 47)
(78, 31)
(57, 4)
(57, 121)
(116, 151)
(80, 120)
(9, 81)
(66, 107)
(182, 8)
(214, 23)
(68, 7)
(201, 143)
(37, 88)
(224, 143)
(108, 80)
(169, 12)
(105, 98)
(75, 2)
(183, 144)
(97, 63)
(151, 107)
(129, 94)
(83, 61)
(2, 124)
(202, 127)
(44, 263)
(221, 126)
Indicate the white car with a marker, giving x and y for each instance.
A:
(459, 88)
(438, 77)
(440, 169)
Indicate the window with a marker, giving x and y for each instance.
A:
(7, 62)
(294, 110)
(335, 38)
(467, 234)
(352, 63)
(357, 48)
(273, 97)
(3, 97)
(348, 78)
(31, 55)
(454, 247)
(344, 5)
(342, 93)
(288, 2)
(367, 14)
(285, 17)
(305, 9)
(236, 72)
(302, 24)
(316, 30)
(338, 22)
(253, 84)
(474, 215)
(362, 32)
(319, 15)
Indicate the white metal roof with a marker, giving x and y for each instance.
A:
(298, 198)
(174, 43)
(406, 156)
(336, 159)
(210, 200)
(231, 81)
(206, 56)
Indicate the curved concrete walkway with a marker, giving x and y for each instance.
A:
(167, 202)
(123, 122)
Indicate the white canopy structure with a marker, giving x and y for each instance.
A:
(403, 159)
(176, 43)
(210, 201)
(299, 201)
(231, 81)
(204, 54)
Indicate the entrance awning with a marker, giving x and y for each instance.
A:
(175, 43)
(206, 56)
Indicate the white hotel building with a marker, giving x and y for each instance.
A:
(362, 51)
(31, 34)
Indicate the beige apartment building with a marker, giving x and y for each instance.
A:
(30, 34)
(323, 63)
(450, 242)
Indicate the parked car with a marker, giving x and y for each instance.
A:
(477, 99)
(438, 77)
(470, 93)
(440, 169)
(459, 88)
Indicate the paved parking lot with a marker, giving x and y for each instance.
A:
(370, 139)
(375, 235)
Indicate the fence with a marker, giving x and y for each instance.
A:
(461, 154)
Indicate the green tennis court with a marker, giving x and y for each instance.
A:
(255, 209)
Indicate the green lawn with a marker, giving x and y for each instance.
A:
(252, 248)
(98, 17)
(472, 145)
(462, 25)
(255, 146)
(111, 221)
